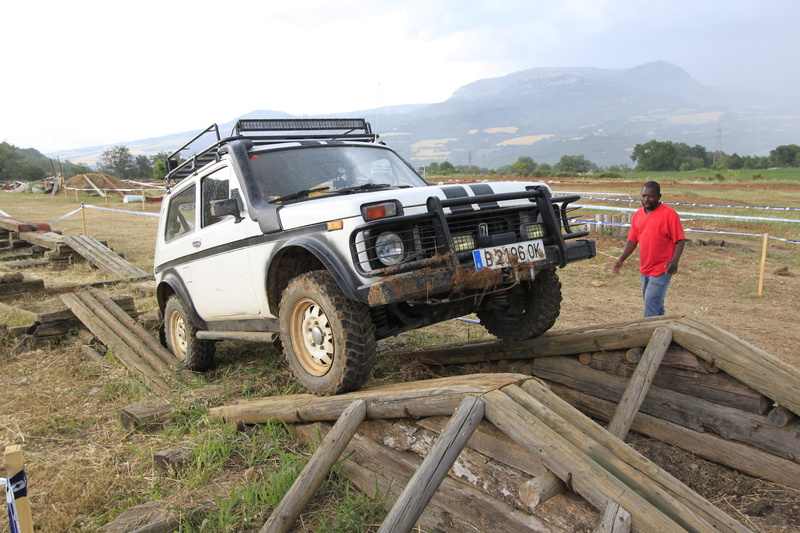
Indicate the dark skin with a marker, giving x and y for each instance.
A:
(650, 202)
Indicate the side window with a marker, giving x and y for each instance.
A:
(180, 215)
(213, 187)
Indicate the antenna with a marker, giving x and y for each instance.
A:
(718, 151)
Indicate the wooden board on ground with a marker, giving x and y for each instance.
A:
(103, 257)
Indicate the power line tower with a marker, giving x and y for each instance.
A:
(718, 151)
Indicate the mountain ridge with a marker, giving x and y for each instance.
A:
(545, 113)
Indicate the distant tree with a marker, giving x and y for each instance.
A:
(73, 169)
(574, 164)
(525, 166)
(785, 155)
(144, 168)
(446, 167)
(655, 156)
(433, 167)
(545, 168)
(119, 162)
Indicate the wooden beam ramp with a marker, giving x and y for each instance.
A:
(635, 493)
(131, 344)
(104, 257)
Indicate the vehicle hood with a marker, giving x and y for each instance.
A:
(323, 209)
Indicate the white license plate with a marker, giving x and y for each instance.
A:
(509, 254)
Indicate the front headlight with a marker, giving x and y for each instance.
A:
(390, 248)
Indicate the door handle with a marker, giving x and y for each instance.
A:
(196, 244)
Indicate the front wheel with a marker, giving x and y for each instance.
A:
(524, 311)
(179, 332)
(328, 339)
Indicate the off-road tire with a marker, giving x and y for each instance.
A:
(533, 307)
(180, 336)
(328, 339)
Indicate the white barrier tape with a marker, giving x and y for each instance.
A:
(139, 213)
(699, 215)
(62, 217)
(718, 232)
(115, 190)
(3, 213)
(697, 205)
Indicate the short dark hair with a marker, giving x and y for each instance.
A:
(652, 185)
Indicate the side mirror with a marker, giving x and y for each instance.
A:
(226, 207)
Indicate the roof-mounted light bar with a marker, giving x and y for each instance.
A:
(302, 124)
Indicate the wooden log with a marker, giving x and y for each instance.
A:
(432, 397)
(756, 368)
(742, 457)
(305, 486)
(714, 387)
(419, 491)
(615, 336)
(540, 489)
(15, 472)
(14, 225)
(47, 239)
(780, 416)
(152, 517)
(121, 350)
(619, 460)
(688, 411)
(615, 519)
(64, 321)
(585, 476)
(9, 277)
(640, 382)
(97, 190)
(381, 472)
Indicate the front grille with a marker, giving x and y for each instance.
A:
(423, 245)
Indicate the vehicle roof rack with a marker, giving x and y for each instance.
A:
(263, 131)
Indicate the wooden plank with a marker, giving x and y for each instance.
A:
(742, 457)
(431, 397)
(103, 257)
(615, 519)
(95, 187)
(419, 491)
(121, 350)
(46, 239)
(305, 486)
(381, 472)
(30, 285)
(12, 224)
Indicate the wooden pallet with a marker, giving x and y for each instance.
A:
(103, 257)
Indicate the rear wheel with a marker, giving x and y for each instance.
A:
(328, 339)
(179, 332)
(526, 310)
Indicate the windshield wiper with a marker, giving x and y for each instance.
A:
(299, 195)
(364, 187)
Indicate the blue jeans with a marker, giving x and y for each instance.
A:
(654, 289)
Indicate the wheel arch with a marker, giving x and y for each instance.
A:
(303, 255)
(171, 284)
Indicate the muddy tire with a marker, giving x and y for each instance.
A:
(179, 335)
(328, 339)
(532, 308)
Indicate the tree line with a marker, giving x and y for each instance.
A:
(30, 165)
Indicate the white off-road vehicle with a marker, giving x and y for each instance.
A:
(313, 229)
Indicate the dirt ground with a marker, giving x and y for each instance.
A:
(55, 404)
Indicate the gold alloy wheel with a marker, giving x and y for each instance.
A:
(312, 337)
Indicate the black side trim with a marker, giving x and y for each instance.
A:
(484, 188)
(457, 192)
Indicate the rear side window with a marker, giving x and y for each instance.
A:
(213, 187)
(181, 214)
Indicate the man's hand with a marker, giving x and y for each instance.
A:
(617, 266)
(671, 267)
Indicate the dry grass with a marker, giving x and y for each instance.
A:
(83, 467)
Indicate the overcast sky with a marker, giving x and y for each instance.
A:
(85, 73)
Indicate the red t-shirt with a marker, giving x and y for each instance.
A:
(656, 233)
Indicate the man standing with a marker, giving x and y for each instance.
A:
(657, 228)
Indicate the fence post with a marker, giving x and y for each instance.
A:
(14, 467)
(83, 216)
(763, 264)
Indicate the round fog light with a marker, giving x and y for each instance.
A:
(390, 249)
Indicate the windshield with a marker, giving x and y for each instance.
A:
(324, 169)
